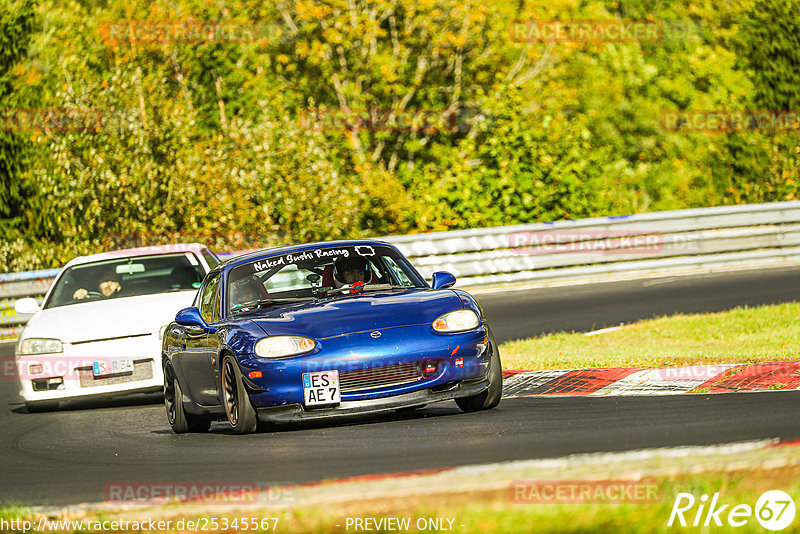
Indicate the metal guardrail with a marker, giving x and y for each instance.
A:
(745, 235)
(661, 242)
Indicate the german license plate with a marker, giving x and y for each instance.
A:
(321, 388)
(112, 367)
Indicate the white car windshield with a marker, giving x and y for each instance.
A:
(318, 273)
(126, 277)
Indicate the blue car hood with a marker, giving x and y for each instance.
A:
(349, 314)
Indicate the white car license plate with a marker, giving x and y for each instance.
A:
(321, 388)
(112, 367)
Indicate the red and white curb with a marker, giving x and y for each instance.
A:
(722, 378)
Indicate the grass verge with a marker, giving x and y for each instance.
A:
(742, 335)
(496, 511)
(485, 499)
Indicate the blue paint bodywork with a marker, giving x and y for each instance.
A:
(370, 330)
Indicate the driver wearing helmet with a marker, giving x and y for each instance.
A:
(244, 292)
(349, 271)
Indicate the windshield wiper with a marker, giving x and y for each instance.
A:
(266, 302)
(286, 300)
(365, 287)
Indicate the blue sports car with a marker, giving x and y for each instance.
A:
(324, 330)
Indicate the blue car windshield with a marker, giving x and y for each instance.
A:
(318, 273)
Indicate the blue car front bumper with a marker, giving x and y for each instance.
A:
(297, 412)
(461, 364)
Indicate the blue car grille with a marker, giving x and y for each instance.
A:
(379, 377)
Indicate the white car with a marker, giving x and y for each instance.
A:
(98, 332)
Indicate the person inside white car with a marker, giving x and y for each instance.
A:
(109, 286)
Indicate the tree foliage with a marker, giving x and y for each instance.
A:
(17, 22)
(252, 124)
(771, 49)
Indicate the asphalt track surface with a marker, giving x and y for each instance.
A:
(72, 455)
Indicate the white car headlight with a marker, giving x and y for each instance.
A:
(456, 321)
(280, 346)
(37, 345)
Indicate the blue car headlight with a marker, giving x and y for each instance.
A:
(280, 346)
(456, 321)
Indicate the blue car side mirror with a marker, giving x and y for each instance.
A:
(190, 317)
(443, 280)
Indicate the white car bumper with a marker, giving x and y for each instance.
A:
(70, 374)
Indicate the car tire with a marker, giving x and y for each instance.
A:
(490, 397)
(41, 406)
(180, 421)
(241, 414)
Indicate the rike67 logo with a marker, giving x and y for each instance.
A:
(774, 510)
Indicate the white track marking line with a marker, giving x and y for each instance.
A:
(604, 330)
